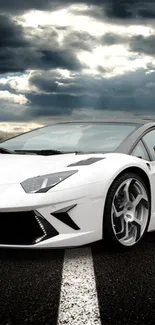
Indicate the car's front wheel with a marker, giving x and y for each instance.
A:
(127, 211)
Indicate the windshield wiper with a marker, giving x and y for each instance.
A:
(45, 152)
(4, 150)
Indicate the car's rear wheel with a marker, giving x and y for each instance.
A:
(127, 211)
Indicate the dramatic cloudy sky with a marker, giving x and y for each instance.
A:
(75, 60)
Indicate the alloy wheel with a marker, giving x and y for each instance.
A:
(130, 209)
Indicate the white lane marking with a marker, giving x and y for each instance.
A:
(78, 297)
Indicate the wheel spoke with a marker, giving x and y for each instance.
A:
(118, 213)
(137, 200)
(138, 221)
(123, 234)
(138, 225)
(145, 203)
(127, 189)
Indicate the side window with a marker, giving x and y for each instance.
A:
(140, 151)
(149, 140)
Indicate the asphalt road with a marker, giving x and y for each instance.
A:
(30, 285)
(126, 284)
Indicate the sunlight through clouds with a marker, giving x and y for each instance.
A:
(20, 99)
(116, 59)
(65, 17)
(71, 60)
(19, 83)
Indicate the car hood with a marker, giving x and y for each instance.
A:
(17, 168)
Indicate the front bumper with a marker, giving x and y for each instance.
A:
(56, 219)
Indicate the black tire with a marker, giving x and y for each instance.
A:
(108, 232)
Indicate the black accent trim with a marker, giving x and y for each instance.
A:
(49, 229)
(64, 217)
(148, 165)
(86, 162)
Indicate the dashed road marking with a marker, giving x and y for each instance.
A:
(78, 297)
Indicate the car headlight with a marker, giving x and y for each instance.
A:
(41, 184)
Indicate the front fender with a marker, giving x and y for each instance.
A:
(115, 163)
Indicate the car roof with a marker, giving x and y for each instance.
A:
(137, 123)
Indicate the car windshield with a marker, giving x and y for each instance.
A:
(70, 137)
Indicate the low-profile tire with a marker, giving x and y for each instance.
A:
(127, 211)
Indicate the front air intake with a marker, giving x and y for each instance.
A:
(24, 228)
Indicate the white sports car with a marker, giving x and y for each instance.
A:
(73, 183)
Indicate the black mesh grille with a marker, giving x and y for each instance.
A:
(24, 228)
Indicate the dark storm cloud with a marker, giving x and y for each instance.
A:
(134, 91)
(46, 81)
(10, 111)
(26, 49)
(130, 9)
(43, 37)
(143, 44)
(80, 40)
(12, 60)
(11, 34)
(19, 59)
(23, 48)
(58, 59)
(121, 9)
(56, 104)
(111, 38)
(52, 82)
(22, 5)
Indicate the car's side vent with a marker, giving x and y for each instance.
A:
(86, 162)
(64, 217)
